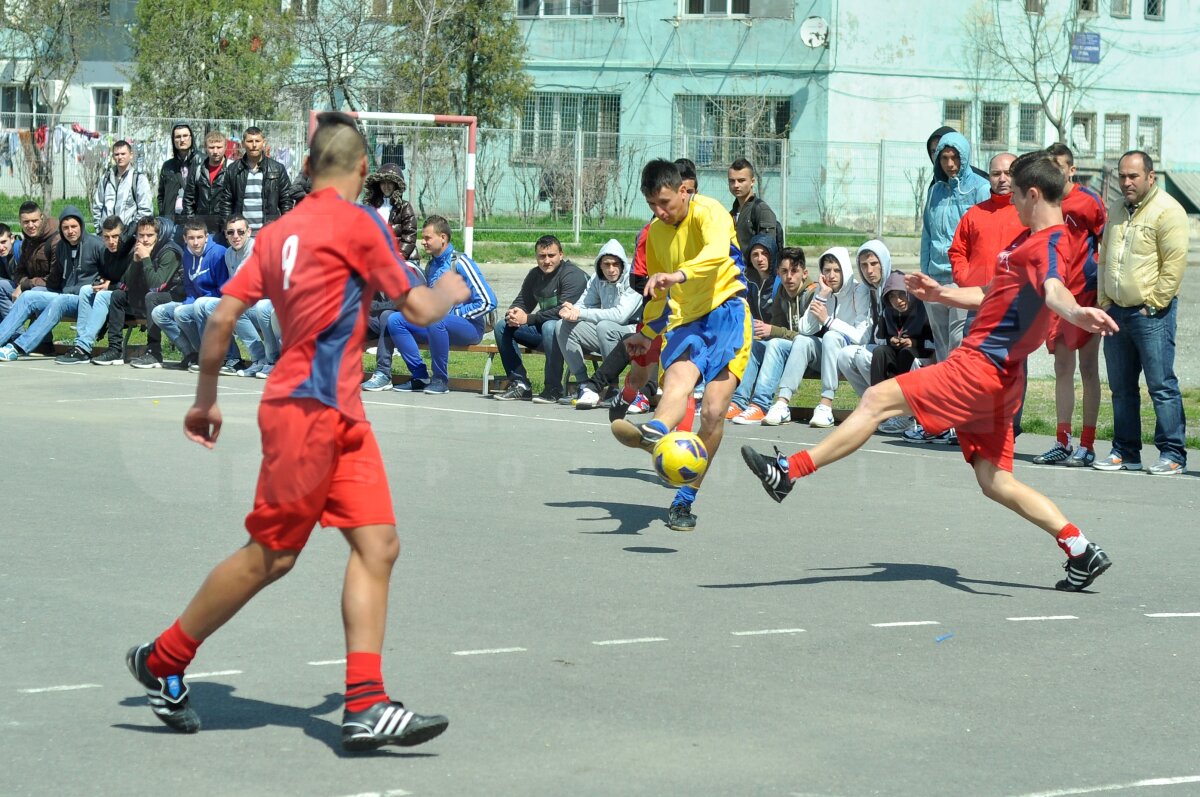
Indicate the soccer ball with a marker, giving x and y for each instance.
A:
(680, 458)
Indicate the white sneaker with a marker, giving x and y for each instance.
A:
(898, 425)
(780, 413)
(822, 417)
(586, 399)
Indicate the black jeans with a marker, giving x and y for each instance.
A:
(120, 307)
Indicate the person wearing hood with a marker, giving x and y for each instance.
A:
(10, 255)
(607, 311)
(153, 278)
(78, 254)
(203, 194)
(905, 337)
(204, 273)
(956, 189)
(173, 177)
(123, 190)
(94, 299)
(385, 192)
(762, 284)
(931, 149)
(873, 265)
(462, 326)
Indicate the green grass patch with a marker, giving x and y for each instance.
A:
(10, 207)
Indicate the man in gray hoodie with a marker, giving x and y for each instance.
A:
(602, 317)
(122, 191)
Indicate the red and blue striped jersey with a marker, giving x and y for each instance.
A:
(1084, 215)
(320, 265)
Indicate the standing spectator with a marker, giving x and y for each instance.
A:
(10, 255)
(202, 193)
(257, 186)
(751, 216)
(176, 171)
(985, 231)
(931, 148)
(153, 278)
(532, 320)
(385, 193)
(1142, 260)
(123, 190)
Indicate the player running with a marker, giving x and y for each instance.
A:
(978, 387)
(697, 290)
(320, 265)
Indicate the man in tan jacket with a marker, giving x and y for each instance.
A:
(1142, 258)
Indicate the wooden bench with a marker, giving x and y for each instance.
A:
(491, 350)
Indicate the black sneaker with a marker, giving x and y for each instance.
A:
(229, 368)
(168, 696)
(75, 356)
(188, 361)
(634, 435)
(771, 471)
(147, 360)
(1082, 570)
(617, 408)
(388, 723)
(516, 392)
(680, 517)
(110, 356)
(546, 397)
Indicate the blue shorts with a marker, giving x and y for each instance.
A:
(714, 342)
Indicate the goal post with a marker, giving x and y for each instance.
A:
(469, 122)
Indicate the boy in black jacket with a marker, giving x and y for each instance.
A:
(94, 299)
(906, 335)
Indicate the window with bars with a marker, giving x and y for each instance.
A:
(993, 125)
(550, 121)
(1035, 6)
(17, 107)
(715, 131)
(1156, 9)
(108, 109)
(1116, 135)
(1083, 133)
(1120, 8)
(717, 8)
(568, 8)
(1086, 7)
(957, 114)
(1029, 125)
(1149, 135)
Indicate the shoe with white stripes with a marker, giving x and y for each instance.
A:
(1082, 570)
(388, 723)
(168, 696)
(771, 471)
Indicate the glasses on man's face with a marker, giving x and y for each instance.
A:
(235, 233)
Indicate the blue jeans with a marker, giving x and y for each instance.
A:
(1145, 345)
(91, 316)
(6, 299)
(263, 315)
(510, 339)
(741, 396)
(50, 307)
(377, 327)
(244, 330)
(450, 331)
(165, 317)
(25, 307)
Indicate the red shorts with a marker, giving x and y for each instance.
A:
(652, 354)
(968, 393)
(318, 466)
(1067, 333)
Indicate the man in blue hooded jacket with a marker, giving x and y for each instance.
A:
(204, 273)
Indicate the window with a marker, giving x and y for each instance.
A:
(549, 122)
(17, 107)
(1149, 135)
(108, 107)
(568, 8)
(993, 125)
(717, 8)
(1083, 133)
(1087, 6)
(381, 9)
(1029, 125)
(1116, 135)
(1120, 8)
(1156, 9)
(957, 114)
(304, 9)
(1035, 6)
(717, 130)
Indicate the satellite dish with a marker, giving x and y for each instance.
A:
(814, 32)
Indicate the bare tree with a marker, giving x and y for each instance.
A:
(344, 45)
(918, 184)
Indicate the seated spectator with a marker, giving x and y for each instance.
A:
(874, 265)
(462, 326)
(261, 316)
(762, 283)
(907, 338)
(152, 279)
(94, 299)
(245, 330)
(38, 253)
(10, 255)
(78, 256)
(777, 339)
(604, 315)
(385, 193)
(203, 274)
(532, 321)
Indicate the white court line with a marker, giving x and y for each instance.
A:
(191, 676)
(221, 394)
(68, 688)
(155, 381)
(1137, 784)
(1174, 614)
(59, 370)
(388, 793)
(480, 412)
(1047, 617)
(907, 622)
(487, 651)
(630, 641)
(769, 631)
(327, 662)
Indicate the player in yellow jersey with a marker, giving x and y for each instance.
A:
(696, 286)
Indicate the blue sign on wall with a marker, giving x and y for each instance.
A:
(1085, 48)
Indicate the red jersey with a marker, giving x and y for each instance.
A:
(982, 234)
(320, 264)
(1084, 214)
(1013, 319)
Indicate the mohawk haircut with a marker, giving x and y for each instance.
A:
(336, 147)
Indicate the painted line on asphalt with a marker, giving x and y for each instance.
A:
(66, 688)
(636, 641)
(191, 676)
(905, 623)
(1174, 614)
(766, 631)
(487, 651)
(221, 394)
(327, 662)
(59, 370)
(1046, 617)
(481, 412)
(1137, 784)
(388, 793)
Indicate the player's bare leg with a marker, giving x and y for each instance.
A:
(1089, 374)
(717, 395)
(373, 553)
(1064, 406)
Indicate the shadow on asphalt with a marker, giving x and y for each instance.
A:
(890, 572)
(639, 474)
(631, 518)
(221, 710)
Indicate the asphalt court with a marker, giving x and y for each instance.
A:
(886, 630)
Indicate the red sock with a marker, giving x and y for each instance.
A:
(800, 464)
(689, 416)
(1071, 540)
(628, 392)
(1088, 438)
(173, 652)
(364, 681)
(1064, 433)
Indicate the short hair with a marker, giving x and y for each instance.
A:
(687, 169)
(832, 258)
(122, 144)
(29, 206)
(336, 147)
(213, 135)
(1038, 170)
(1147, 161)
(794, 254)
(547, 241)
(742, 163)
(236, 217)
(112, 223)
(439, 224)
(658, 174)
(195, 224)
(1061, 150)
(255, 130)
(147, 221)
(5, 229)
